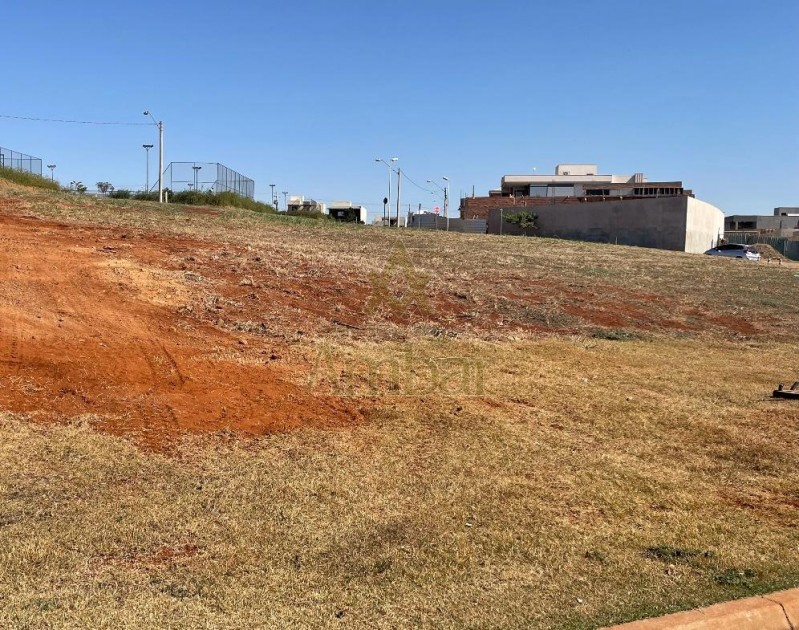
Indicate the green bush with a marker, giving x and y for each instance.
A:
(120, 194)
(223, 199)
(28, 179)
(308, 214)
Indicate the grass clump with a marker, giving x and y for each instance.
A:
(28, 179)
(667, 553)
(615, 335)
(733, 577)
(223, 199)
(308, 214)
(199, 198)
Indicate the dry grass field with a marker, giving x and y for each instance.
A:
(218, 419)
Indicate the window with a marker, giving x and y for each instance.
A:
(538, 191)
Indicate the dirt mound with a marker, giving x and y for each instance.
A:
(768, 251)
(90, 330)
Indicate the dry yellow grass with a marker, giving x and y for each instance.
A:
(574, 482)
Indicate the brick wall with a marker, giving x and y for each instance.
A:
(479, 207)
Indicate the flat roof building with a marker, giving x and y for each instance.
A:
(347, 211)
(577, 202)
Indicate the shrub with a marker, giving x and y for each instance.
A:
(308, 214)
(524, 219)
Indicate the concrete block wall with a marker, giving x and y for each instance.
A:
(674, 223)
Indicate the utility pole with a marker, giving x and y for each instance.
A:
(446, 201)
(160, 125)
(387, 202)
(285, 200)
(399, 192)
(274, 201)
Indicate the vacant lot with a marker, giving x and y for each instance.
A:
(220, 419)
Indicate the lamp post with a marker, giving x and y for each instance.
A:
(52, 168)
(388, 205)
(160, 125)
(147, 148)
(196, 173)
(274, 201)
(285, 199)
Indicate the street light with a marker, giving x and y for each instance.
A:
(147, 148)
(196, 173)
(388, 198)
(285, 199)
(274, 201)
(52, 168)
(160, 125)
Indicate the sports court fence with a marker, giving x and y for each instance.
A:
(204, 176)
(20, 161)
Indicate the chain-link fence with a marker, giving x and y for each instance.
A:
(20, 161)
(206, 176)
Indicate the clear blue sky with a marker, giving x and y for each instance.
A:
(306, 94)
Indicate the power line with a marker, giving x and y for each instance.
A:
(405, 175)
(76, 122)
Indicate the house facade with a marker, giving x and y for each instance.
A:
(579, 203)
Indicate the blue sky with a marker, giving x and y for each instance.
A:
(307, 94)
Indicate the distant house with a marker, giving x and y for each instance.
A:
(299, 204)
(347, 212)
(580, 204)
(784, 223)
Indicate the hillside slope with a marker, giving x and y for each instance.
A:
(215, 418)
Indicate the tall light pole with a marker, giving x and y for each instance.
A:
(285, 199)
(147, 148)
(196, 173)
(387, 205)
(52, 168)
(274, 202)
(160, 125)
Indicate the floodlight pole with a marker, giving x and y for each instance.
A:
(285, 199)
(160, 125)
(52, 168)
(147, 148)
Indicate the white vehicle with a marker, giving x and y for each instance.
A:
(733, 250)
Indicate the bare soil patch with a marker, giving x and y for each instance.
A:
(91, 330)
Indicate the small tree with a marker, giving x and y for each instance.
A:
(104, 187)
(525, 219)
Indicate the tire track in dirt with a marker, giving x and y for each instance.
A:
(90, 341)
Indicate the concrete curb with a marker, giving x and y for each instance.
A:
(778, 611)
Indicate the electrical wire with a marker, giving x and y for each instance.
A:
(76, 122)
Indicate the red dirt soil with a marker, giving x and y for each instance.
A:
(85, 331)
